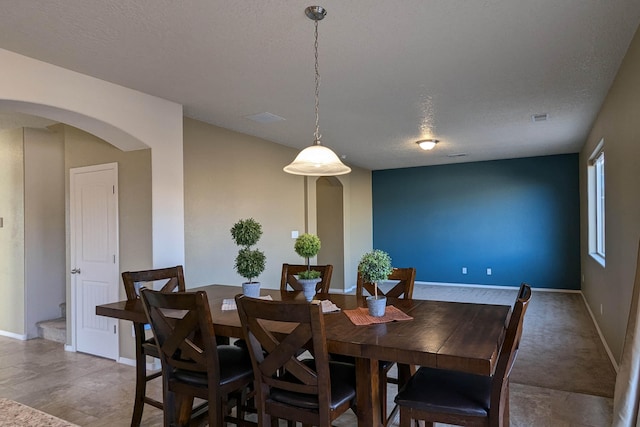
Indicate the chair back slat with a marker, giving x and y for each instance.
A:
(134, 280)
(288, 280)
(509, 349)
(272, 353)
(406, 278)
(182, 325)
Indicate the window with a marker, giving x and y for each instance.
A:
(597, 204)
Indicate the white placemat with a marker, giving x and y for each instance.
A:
(230, 303)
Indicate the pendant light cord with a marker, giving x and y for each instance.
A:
(317, 135)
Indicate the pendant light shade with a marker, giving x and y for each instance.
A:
(317, 160)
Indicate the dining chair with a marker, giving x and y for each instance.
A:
(193, 364)
(311, 391)
(405, 278)
(460, 398)
(289, 282)
(172, 279)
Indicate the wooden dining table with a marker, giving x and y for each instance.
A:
(448, 335)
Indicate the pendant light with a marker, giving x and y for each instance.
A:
(317, 160)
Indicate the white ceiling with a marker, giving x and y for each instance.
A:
(468, 72)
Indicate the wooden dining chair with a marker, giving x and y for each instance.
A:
(311, 391)
(172, 280)
(193, 364)
(289, 282)
(460, 398)
(405, 278)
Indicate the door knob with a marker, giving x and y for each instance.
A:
(75, 271)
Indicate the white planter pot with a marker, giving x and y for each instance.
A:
(251, 289)
(377, 305)
(309, 287)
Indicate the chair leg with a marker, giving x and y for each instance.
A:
(405, 418)
(382, 382)
(216, 412)
(141, 389)
(184, 405)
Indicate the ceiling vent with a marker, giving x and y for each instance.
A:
(264, 118)
(539, 118)
(457, 155)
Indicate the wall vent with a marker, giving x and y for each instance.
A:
(539, 118)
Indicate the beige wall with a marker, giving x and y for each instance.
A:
(44, 227)
(358, 222)
(229, 176)
(618, 122)
(330, 219)
(134, 184)
(12, 232)
(32, 240)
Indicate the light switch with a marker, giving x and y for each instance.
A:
(294, 234)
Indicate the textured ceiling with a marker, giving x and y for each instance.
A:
(470, 73)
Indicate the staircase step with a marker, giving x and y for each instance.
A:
(53, 330)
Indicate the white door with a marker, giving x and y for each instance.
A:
(94, 257)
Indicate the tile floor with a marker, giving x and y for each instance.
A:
(90, 391)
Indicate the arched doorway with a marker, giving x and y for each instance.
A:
(105, 110)
(330, 221)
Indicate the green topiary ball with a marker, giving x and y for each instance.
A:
(307, 245)
(250, 263)
(375, 266)
(246, 232)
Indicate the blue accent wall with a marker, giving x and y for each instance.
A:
(519, 217)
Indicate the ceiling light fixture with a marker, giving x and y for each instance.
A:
(427, 144)
(317, 160)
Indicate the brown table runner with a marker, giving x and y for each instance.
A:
(360, 316)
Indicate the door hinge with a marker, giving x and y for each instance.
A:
(114, 329)
(114, 259)
(114, 189)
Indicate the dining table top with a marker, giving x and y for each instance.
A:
(449, 335)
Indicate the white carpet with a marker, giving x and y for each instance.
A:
(14, 414)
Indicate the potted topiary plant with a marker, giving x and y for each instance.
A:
(249, 262)
(375, 266)
(307, 246)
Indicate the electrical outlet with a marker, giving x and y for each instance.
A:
(464, 270)
(488, 272)
(294, 234)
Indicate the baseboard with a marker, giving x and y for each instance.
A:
(350, 290)
(127, 361)
(13, 335)
(478, 285)
(604, 342)
(473, 285)
(132, 362)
